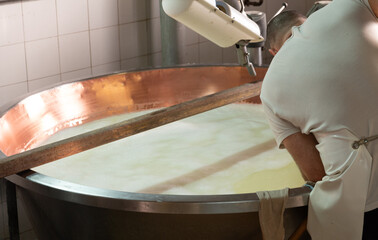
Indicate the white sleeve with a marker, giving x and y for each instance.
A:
(280, 127)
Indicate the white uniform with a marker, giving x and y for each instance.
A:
(324, 80)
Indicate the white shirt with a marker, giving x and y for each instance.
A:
(324, 80)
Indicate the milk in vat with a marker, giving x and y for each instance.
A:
(223, 151)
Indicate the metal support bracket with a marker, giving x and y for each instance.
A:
(243, 57)
(363, 141)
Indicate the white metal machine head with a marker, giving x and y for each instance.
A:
(218, 22)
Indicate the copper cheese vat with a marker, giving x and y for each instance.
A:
(64, 210)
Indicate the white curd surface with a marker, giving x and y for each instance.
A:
(223, 151)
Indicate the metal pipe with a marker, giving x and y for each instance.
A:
(255, 49)
(284, 5)
(256, 56)
(169, 39)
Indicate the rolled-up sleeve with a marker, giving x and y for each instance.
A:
(280, 127)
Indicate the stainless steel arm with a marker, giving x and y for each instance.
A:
(243, 57)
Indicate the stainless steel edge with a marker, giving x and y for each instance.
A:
(150, 203)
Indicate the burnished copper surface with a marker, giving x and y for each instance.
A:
(42, 114)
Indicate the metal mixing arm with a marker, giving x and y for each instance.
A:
(284, 5)
(243, 57)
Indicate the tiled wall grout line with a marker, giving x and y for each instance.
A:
(23, 31)
(58, 39)
(90, 40)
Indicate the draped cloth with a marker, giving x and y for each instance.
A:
(272, 207)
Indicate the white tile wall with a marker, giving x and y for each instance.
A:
(153, 33)
(12, 64)
(131, 11)
(153, 8)
(106, 31)
(191, 54)
(210, 53)
(11, 26)
(297, 5)
(105, 45)
(229, 55)
(106, 68)
(74, 51)
(72, 16)
(40, 20)
(103, 13)
(202, 39)
(79, 74)
(12, 91)
(35, 85)
(135, 63)
(133, 40)
(42, 58)
(191, 37)
(44, 42)
(271, 8)
(156, 59)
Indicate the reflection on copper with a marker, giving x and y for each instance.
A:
(48, 123)
(71, 104)
(34, 107)
(71, 107)
(5, 129)
(136, 78)
(114, 93)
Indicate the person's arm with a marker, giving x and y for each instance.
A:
(306, 156)
(302, 147)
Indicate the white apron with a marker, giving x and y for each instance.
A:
(337, 203)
